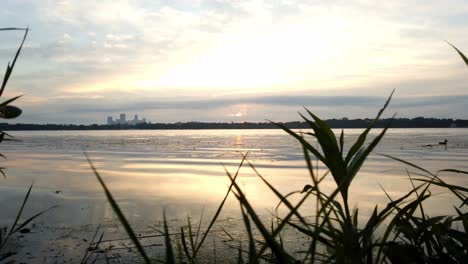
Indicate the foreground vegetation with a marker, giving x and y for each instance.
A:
(400, 232)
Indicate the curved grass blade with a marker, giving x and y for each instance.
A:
(362, 138)
(276, 249)
(9, 69)
(460, 53)
(302, 141)
(32, 218)
(252, 250)
(184, 245)
(220, 207)
(454, 170)
(10, 100)
(407, 163)
(118, 212)
(167, 239)
(358, 159)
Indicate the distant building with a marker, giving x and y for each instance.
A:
(110, 121)
(123, 119)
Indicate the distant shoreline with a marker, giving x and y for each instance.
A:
(418, 122)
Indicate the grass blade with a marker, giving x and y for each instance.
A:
(220, 207)
(9, 69)
(167, 239)
(118, 212)
(362, 138)
(460, 53)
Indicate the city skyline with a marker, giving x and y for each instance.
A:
(123, 120)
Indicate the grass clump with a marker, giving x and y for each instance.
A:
(8, 111)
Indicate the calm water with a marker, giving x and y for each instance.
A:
(183, 171)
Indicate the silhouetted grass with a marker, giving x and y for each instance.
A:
(8, 111)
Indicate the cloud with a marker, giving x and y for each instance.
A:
(173, 56)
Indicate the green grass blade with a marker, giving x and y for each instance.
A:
(240, 260)
(276, 249)
(118, 212)
(324, 128)
(190, 235)
(90, 244)
(252, 250)
(20, 212)
(302, 141)
(9, 69)
(283, 222)
(446, 185)
(362, 138)
(342, 141)
(220, 207)
(408, 163)
(361, 156)
(9, 101)
(199, 227)
(167, 240)
(12, 28)
(32, 218)
(184, 245)
(460, 53)
(278, 194)
(454, 170)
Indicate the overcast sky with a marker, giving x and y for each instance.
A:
(235, 60)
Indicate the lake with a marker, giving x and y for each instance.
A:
(183, 171)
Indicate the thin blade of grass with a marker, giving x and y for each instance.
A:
(278, 194)
(32, 218)
(454, 170)
(118, 212)
(302, 141)
(460, 53)
(10, 67)
(184, 245)
(280, 255)
(199, 226)
(10, 100)
(407, 163)
(167, 239)
(362, 138)
(252, 250)
(20, 212)
(220, 207)
(90, 244)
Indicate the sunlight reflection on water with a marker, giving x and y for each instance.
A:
(183, 170)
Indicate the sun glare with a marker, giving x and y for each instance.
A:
(260, 59)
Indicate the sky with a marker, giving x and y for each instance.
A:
(223, 61)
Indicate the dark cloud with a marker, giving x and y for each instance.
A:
(101, 105)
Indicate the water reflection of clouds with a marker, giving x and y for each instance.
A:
(187, 167)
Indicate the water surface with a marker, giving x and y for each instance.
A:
(183, 171)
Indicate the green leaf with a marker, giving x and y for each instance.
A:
(9, 112)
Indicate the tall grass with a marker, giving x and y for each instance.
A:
(400, 232)
(8, 111)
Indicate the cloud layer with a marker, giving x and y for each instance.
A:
(235, 60)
